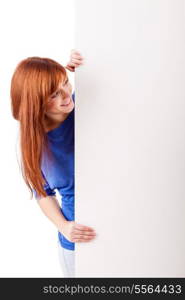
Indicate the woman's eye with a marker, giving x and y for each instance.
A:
(55, 95)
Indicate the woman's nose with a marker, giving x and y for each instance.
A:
(66, 93)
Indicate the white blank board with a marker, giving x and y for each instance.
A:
(130, 137)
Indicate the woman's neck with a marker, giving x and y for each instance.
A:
(55, 122)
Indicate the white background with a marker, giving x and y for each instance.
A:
(130, 118)
(130, 137)
(28, 240)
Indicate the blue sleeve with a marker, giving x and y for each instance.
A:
(46, 187)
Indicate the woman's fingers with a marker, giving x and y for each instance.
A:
(77, 61)
(84, 230)
(75, 52)
(83, 236)
(82, 239)
(83, 227)
(84, 233)
(76, 55)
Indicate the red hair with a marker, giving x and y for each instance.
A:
(33, 81)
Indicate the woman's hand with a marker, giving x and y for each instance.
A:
(75, 232)
(75, 61)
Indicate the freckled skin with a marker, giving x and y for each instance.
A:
(55, 113)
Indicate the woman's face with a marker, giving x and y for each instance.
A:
(60, 102)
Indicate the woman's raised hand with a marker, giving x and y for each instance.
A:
(75, 60)
(76, 232)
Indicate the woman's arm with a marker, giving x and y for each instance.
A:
(73, 231)
(50, 207)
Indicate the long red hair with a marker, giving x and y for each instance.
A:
(33, 81)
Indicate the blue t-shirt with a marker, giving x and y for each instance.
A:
(59, 173)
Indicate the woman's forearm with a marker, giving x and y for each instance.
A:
(50, 207)
(71, 230)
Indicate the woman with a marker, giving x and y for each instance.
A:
(43, 103)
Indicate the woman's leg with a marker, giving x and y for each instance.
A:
(67, 261)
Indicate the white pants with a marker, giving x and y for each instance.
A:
(67, 261)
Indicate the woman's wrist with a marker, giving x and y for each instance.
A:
(63, 225)
(70, 68)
